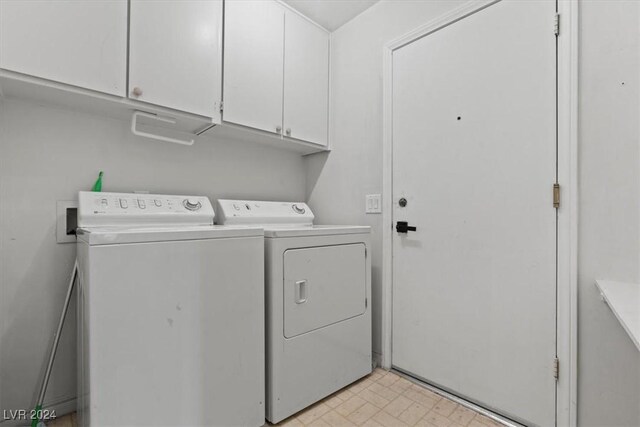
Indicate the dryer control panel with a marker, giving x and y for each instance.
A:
(260, 212)
(97, 209)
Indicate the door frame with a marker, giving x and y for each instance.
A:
(567, 176)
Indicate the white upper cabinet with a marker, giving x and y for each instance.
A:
(276, 70)
(175, 54)
(306, 80)
(253, 64)
(81, 43)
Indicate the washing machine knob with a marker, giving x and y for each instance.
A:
(192, 204)
(297, 209)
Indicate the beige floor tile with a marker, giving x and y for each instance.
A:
(437, 420)
(375, 376)
(487, 421)
(64, 421)
(372, 423)
(68, 420)
(383, 391)
(350, 405)
(475, 423)
(374, 398)
(388, 379)
(397, 406)
(401, 385)
(361, 385)
(462, 415)
(445, 407)
(345, 394)
(309, 415)
(378, 373)
(426, 392)
(387, 420)
(336, 420)
(420, 397)
(361, 415)
(413, 413)
(291, 422)
(333, 401)
(319, 423)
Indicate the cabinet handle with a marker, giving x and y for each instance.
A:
(136, 92)
(279, 129)
(288, 131)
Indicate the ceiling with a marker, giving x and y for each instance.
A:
(331, 14)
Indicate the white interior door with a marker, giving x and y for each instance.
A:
(474, 155)
(253, 64)
(175, 54)
(306, 80)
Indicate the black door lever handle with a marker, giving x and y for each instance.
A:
(404, 227)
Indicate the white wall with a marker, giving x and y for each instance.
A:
(609, 365)
(609, 153)
(49, 154)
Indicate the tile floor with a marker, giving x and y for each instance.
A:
(388, 400)
(380, 399)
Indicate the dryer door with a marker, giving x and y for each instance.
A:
(322, 286)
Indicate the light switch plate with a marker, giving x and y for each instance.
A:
(373, 204)
(61, 221)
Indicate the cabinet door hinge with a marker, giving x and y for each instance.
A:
(366, 302)
(556, 24)
(556, 195)
(365, 252)
(556, 368)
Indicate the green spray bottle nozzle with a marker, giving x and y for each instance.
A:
(98, 185)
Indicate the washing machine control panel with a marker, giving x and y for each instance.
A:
(97, 209)
(260, 212)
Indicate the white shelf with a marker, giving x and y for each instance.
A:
(624, 301)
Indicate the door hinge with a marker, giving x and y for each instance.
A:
(556, 368)
(366, 302)
(556, 24)
(221, 106)
(556, 195)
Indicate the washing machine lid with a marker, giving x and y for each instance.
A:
(271, 231)
(123, 235)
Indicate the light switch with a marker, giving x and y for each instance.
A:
(373, 203)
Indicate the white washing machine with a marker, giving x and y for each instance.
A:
(318, 311)
(170, 314)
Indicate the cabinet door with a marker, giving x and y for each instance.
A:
(306, 80)
(253, 64)
(81, 43)
(175, 54)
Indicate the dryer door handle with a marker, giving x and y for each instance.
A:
(301, 291)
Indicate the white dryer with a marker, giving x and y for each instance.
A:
(170, 314)
(318, 311)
